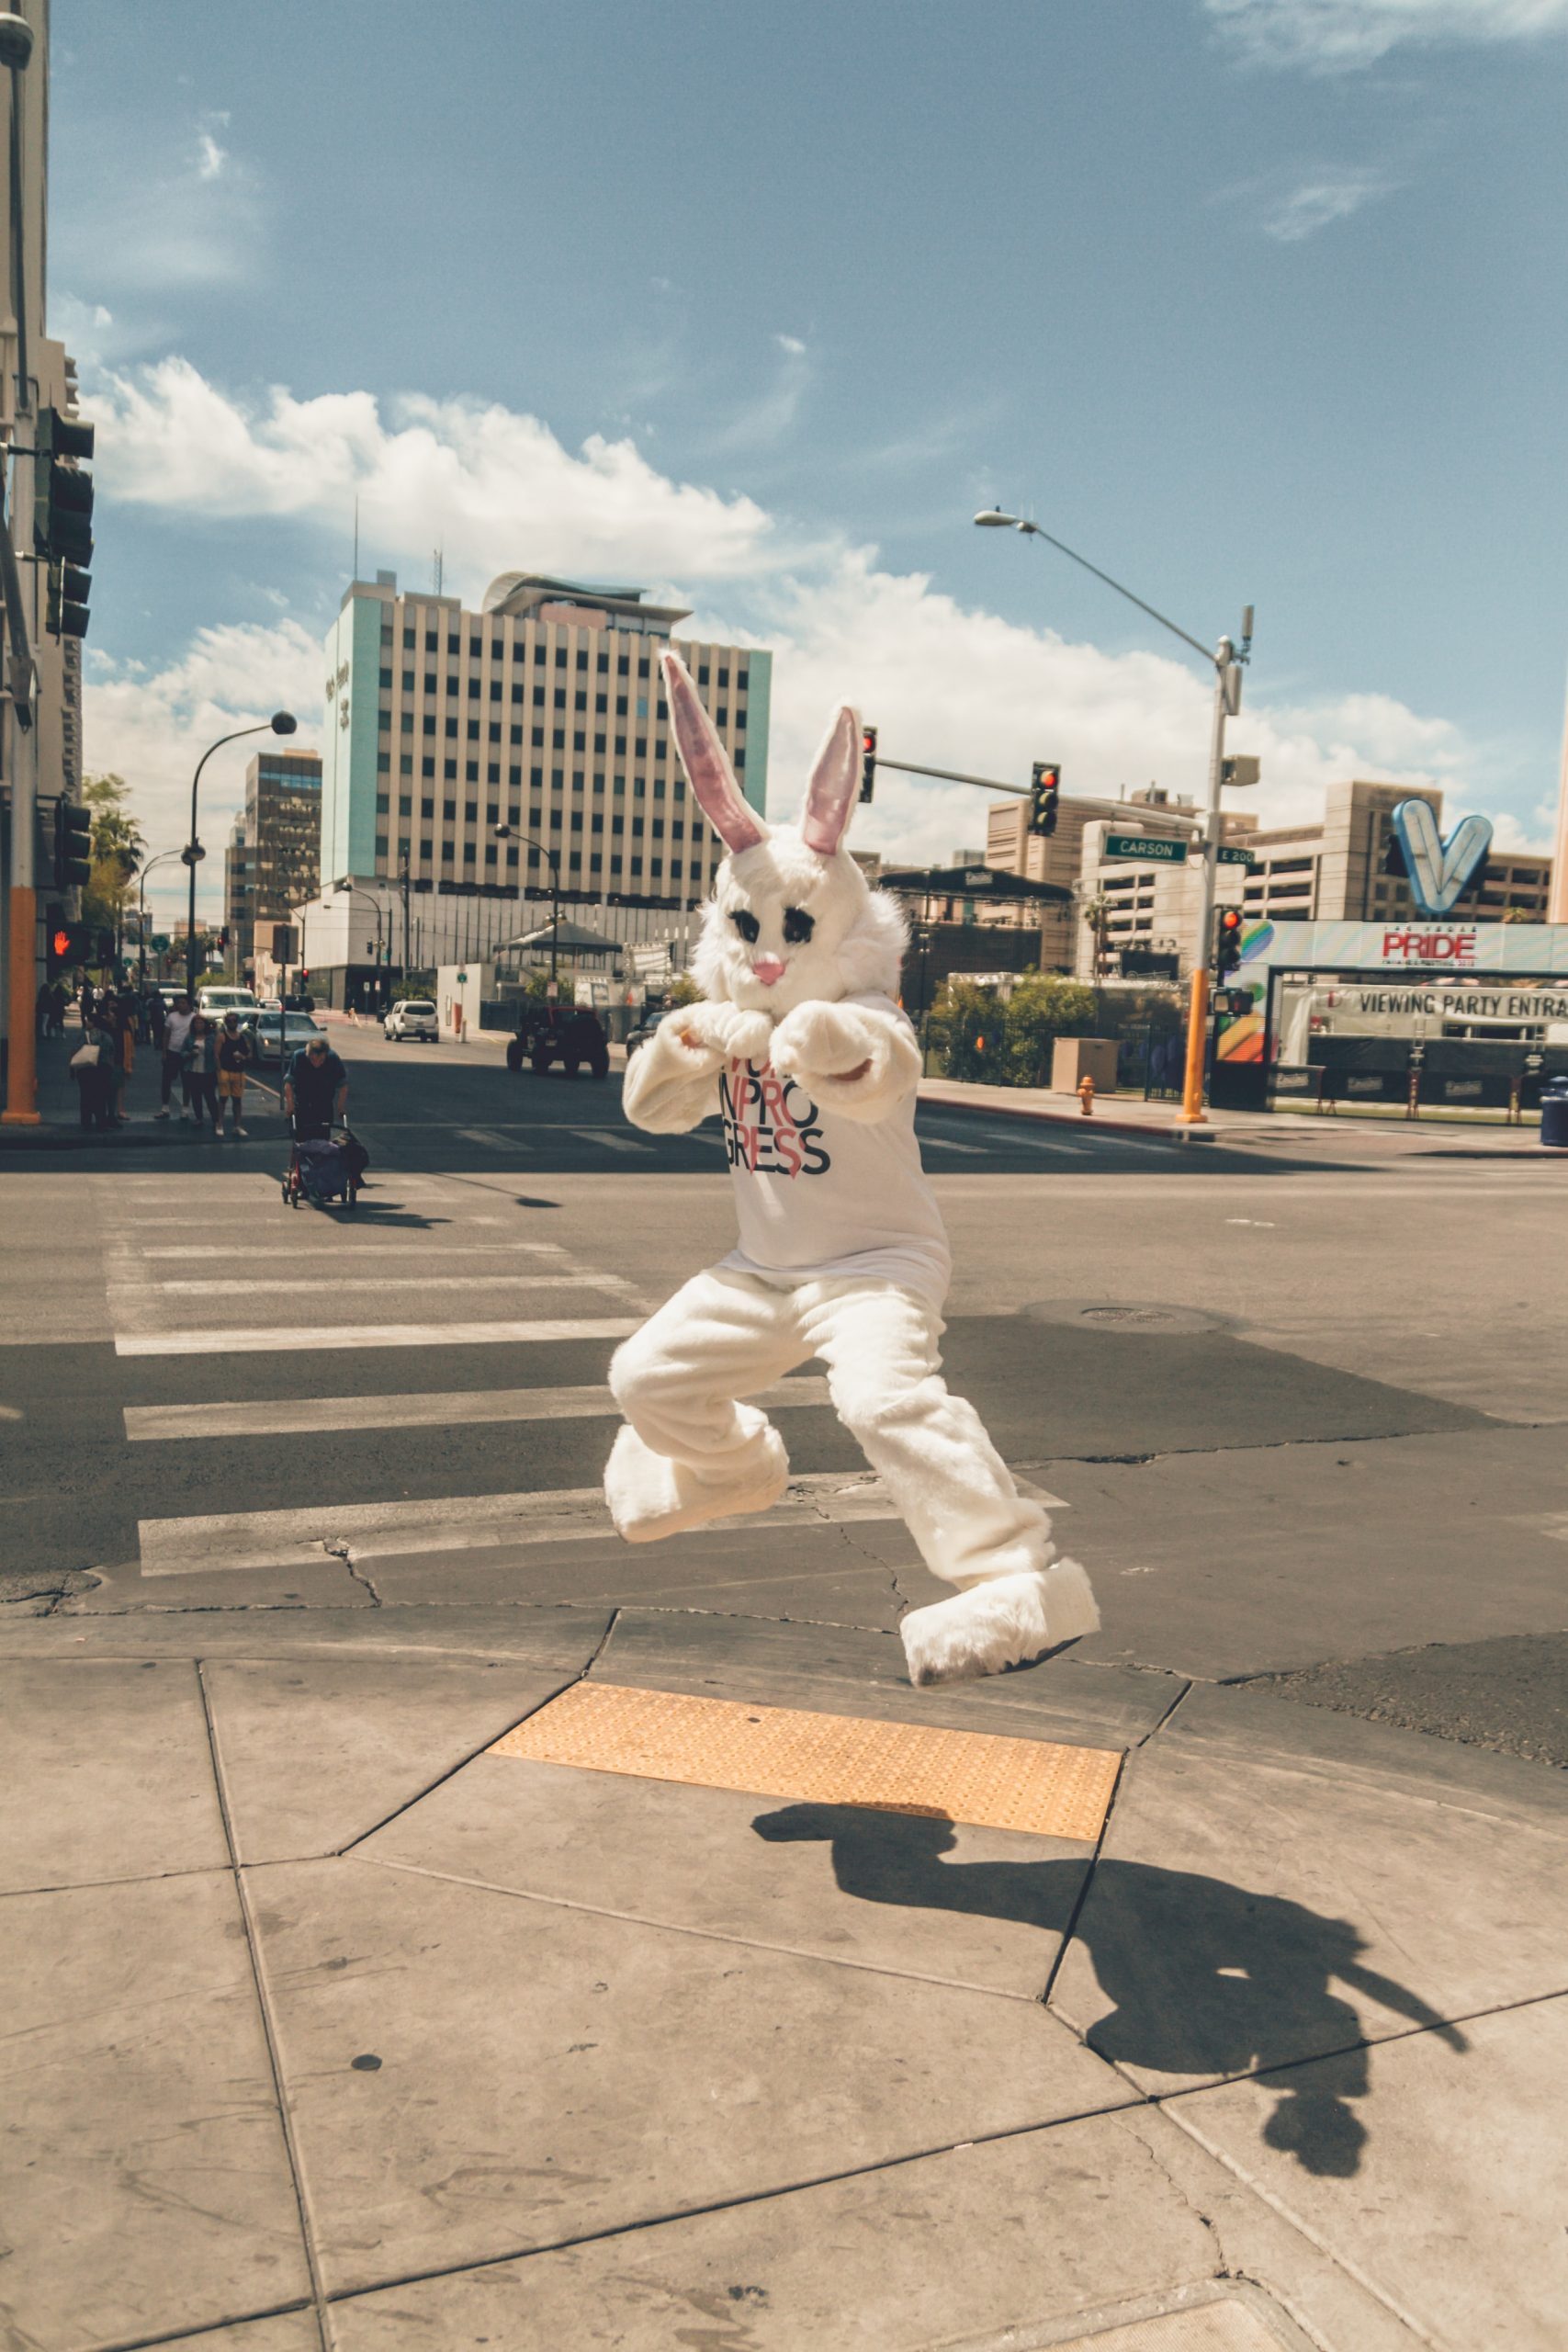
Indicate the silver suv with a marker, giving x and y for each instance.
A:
(412, 1016)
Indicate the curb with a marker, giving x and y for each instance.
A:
(1142, 1127)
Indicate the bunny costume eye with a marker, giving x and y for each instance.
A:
(792, 919)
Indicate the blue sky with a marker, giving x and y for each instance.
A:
(1250, 299)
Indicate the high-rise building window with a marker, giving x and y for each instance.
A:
(383, 763)
(432, 642)
(449, 769)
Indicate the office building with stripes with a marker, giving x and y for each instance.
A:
(542, 712)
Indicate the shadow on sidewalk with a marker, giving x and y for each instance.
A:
(1204, 1978)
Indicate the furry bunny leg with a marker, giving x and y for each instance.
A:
(931, 1452)
(690, 1453)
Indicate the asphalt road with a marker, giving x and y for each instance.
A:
(1285, 1408)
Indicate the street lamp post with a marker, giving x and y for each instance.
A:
(282, 722)
(161, 858)
(1227, 661)
(351, 890)
(510, 834)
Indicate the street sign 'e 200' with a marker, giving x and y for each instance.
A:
(1154, 849)
(1235, 857)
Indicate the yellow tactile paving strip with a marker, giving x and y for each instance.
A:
(984, 1779)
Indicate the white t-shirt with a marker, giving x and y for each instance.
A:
(817, 1194)
(176, 1030)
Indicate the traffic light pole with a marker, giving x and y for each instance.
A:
(1192, 1112)
(21, 766)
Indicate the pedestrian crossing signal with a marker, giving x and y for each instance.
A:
(1045, 792)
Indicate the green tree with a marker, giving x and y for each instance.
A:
(118, 849)
(966, 1026)
(1042, 1007)
(1097, 915)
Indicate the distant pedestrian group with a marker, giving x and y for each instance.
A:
(208, 1061)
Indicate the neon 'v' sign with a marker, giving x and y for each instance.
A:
(1438, 870)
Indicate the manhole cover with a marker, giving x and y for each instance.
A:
(1149, 1316)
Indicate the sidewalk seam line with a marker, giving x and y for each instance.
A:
(704, 1934)
(268, 2025)
(731, 2204)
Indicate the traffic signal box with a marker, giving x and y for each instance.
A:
(63, 518)
(867, 763)
(66, 944)
(72, 844)
(1045, 793)
(1227, 940)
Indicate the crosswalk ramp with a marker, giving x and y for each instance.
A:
(289, 1388)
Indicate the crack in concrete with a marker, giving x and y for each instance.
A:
(339, 1549)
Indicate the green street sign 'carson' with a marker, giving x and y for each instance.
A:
(1152, 849)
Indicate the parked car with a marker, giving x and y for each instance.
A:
(277, 1032)
(570, 1035)
(412, 1016)
(642, 1033)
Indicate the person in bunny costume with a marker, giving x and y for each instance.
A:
(801, 1048)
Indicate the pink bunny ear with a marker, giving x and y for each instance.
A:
(707, 763)
(835, 781)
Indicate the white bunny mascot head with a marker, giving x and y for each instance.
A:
(802, 1049)
(790, 920)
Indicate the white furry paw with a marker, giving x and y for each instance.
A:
(720, 1032)
(819, 1040)
(1005, 1621)
(650, 1497)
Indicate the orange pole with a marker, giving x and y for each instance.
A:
(1192, 1110)
(21, 993)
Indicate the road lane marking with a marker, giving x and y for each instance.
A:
(609, 1138)
(330, 1244)
(311, 1337)
(946, 1143)
(490, 1140)
(314, 1285)
(301, 1539)
(451, 1409)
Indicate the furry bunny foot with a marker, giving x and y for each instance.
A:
(1003, 1622)
(651, 1497)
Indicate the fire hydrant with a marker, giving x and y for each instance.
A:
(1086, 1095)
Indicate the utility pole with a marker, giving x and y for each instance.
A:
(1228, 660)
(21, 627)
(405, 962)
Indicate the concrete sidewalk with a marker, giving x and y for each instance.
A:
(333, 2027)
(1158, 1122)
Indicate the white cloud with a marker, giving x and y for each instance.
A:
(792, 343)
(1339, 36)
(494, 488)
(948, 685)
(152, 727)
(176, 221)
(1315, 202)
(211, 157)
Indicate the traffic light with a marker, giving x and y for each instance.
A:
(867, 762)
(62, 495)
(72, 844)
(66, 600)
(1227, 940)
(1045, 792)
(65, 942)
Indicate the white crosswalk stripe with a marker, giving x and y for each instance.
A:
(223, 1286)
(611, 1139)
(308, 1537)
(439, 1408)
(308, 1337)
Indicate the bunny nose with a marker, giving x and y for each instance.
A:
(768, 968)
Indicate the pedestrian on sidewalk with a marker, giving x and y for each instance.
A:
(199, 1060)
(177, 1034)
(123, 1015)
(59, 997)
(92, 1066)
(154, 1019)
(315, 1092)
(234, 1059)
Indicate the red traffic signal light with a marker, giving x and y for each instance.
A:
(1228, 938)
(867, 762)
(60, 945)
(1045, 792)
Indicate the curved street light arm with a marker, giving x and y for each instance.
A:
(1033, 530)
